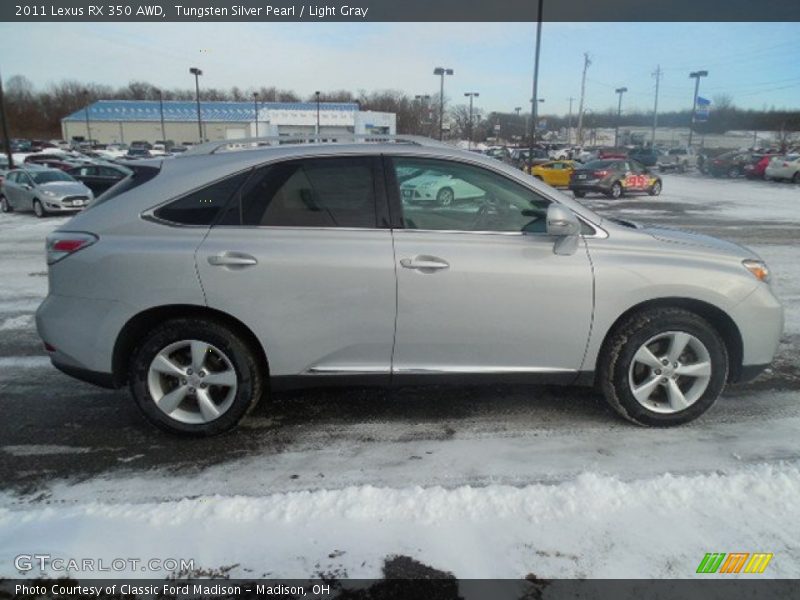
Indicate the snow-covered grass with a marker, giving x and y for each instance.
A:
(593, 526)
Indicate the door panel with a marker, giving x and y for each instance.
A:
(506, 303)
(480, 288)
(319, 300)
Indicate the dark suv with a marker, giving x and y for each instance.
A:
(614, 177)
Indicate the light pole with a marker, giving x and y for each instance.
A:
(161, 109)
(255, 109)
(317, 95)
(197, 72)
(6, 140)
(696, 75)
(619, 91)
(441, 72)
(569, 121)
(470, 95)
(423, 102)
(534, 103)
(86, 114)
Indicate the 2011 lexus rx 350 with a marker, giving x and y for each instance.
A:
(205, 281)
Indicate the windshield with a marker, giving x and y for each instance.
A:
(50, 176)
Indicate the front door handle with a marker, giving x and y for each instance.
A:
(232, 259)
(424, 263)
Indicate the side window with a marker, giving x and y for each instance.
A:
(12, 177)
(317, 192)
(451, 196)
(202, 206)
(87, 171)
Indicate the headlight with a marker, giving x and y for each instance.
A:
(49, 194)
(758, 268)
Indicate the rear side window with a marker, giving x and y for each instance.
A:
(319, 192)
(201, 207)
(139, 175)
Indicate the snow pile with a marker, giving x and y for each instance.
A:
(593, 526)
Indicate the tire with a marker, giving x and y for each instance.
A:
(539, 177)
(682, 168)
(655, 189)
(616, 191)
(445, 196)
(227, 358)
(5, 206)
(578, 194)
(796, 177)
(38, 209)
(620, 371)
(734, 172)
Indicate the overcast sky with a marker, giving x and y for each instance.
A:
(755, 63)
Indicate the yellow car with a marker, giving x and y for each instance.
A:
(555, 173)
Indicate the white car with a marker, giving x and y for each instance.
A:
(434, 186)
(784, 167)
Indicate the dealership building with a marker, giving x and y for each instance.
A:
(124, 121)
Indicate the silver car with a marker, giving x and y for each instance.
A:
(42, 191)
(208, 281)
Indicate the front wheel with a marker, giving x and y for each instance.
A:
(4, 205)
(655, 189)
(194, 376)
(663, 367)
(445, 196)
(38, 209)
(734, 172)
(578, 194)
(796, 177)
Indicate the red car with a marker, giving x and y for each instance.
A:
(755, 170)
(53, 162)
(606, 153)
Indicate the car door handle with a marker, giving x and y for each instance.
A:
(232, 259)
(424, 263)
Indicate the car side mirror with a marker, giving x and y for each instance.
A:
(561, 221)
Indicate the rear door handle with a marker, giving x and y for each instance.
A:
(232, 259)
(424, 263)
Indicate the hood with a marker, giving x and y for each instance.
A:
(66, 188)
(686, 238)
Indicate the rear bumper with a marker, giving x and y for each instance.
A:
(590, 186)
(104, 380)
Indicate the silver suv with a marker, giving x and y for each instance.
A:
(204, 282)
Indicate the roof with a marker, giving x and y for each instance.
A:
(183, 111)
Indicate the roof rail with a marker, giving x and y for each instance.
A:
(251, 143)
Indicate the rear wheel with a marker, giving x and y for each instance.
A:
(734, 172)
(615, 191)
(663, 367)
(578, 194)
(445, 196)
(4, 205)
(796, 177)
(196, 377)
(38, 209)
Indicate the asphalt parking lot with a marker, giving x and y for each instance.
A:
(56, 430)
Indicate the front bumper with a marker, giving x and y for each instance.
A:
(759, 318)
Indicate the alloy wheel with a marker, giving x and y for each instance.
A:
(192, 381)
(445, 196)
(670, 372)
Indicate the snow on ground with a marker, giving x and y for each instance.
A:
(574, 495)
(592, 526)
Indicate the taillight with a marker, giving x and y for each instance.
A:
(61, 244)
(600, 173)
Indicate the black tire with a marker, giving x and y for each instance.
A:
(682, 167)
(578, 194)
(621, 346)
(616, 191)
(655, 189)
(38, 209)
(5, 206)
(796, 177)
(250, 373)
(734, 172)
(445, 197)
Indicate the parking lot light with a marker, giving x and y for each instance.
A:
(619, 91)
(161, 109)
(255, 108)
(317, 93)
(6, 139)
(197, 72)
(441, 72)
(86, 114)
(696, 75)
(471, 96)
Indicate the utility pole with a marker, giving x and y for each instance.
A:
(426, 112)
(86, 114)
(534, 99)
(471, 95)
(619, 91)
(569, 121)
(657, 74)
(317, 95)
(586, 63)
(255, 109)
(6, 140)
(197, 72)
(161, 109)
(696, 75)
